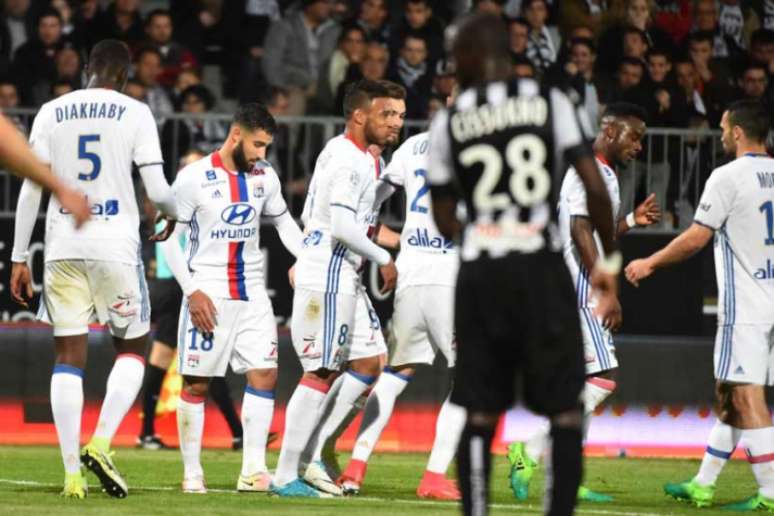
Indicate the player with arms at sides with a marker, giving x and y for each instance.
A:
(501, 148)
(92, 137)
(334, 325)
(423, 323)
(618, 142)
(736, 208)
(227, 317)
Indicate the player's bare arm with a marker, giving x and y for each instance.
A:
(387, 238)
(688, 243)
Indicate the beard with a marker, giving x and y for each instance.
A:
(240, 160)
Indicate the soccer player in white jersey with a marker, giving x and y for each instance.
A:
(423, 324)
(737, 207)
(622, 128)
(91, 137)
(227, 317)
(334, 325)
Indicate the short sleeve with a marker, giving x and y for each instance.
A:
(185, 191)
(395, 173)
(574, 195)
(40, 136)
(147, 149)
(571, 127)
(716, 201)
(275, 204)
(347, 186)
(440, 168)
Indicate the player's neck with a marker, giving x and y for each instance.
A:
(750, 148)
(227, 158)
(356, 137)
(100, 82)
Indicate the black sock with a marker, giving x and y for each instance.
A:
(474, 462)
(566, 466)
(151, 388)
(222, 397)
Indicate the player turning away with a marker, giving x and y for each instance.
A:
(423, 323)
(334, 327)
(91, 137)
(500, 149)
(737, 207)
(226, 316)
(618, 142)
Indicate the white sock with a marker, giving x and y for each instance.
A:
(301, 417)
(721, 443)
(307, 455)
(257, 412)
(123, 384)
(353, 385)
(537, 445)
(377, 412)
(760, 453)
(67, 407)
(190, 427)
(595, 391)
(448, 428)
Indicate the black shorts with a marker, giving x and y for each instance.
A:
(516, 318)
(166, 298)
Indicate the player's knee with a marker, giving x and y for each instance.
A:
(747, 400)
(483, 419)
(370, 366)
(135, 346)
(572, 418)
(262, 379)
(161, 355)
(195, 386)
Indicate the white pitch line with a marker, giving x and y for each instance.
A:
(523, 508)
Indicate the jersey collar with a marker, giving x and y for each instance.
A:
(361, 148)
(602, 159)
(755, 155)
(217, 162)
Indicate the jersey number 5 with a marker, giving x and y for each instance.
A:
(83, 153)
(525, 155)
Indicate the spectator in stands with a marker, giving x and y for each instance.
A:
(34, 61)
(66, 13)
(294, 179)
(738, 21)
(583, 55)
(518, 35)
(754, 82)
(635, 43)
(373, 19)
(17, 25)
(674, 18)
(589, 13)
(203, 135)
(444, 79)
(714, 75)
(496, 7)
(187, 78)
(349, 53)
(294, 49)
(60, 88)
(418, 18)
(522, 67)
(69, 67)
(147, 68)
(136, 90)
(9, 99)
(174, 56)
(662, 87)
(89, 24)
(688, 104)
(123, 21)
(629, 83)
(637, 14)
(762, 48)
(413, 71)
(706, 19)
(544, 41)
(434, 104)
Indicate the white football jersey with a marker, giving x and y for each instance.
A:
(738, 203)
(426, 257)
(572, 203)
(90, 138)
(345, 176)
(223, 209)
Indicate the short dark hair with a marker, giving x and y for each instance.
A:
(146, 49)
(634, 30)
(481, 50)
(349, 27)
(270, 94)
(659, 51)
(157, 12)
(625, 110)
(49, 12)
(754, 65)
(701, 36)
(585, 42)
(201, 91)
(253, 116)
(762, 37)
(752, 116)
(520, 20)
(413, 34)
(109, 58)
(362, 92)
(426, 2)
(631, 61)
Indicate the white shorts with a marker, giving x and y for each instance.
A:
(79, 292)
(423, 325)
(598, 346)
(328, 330)
(743, 354)
(245, 337)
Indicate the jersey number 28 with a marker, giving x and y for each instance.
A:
(525, 155)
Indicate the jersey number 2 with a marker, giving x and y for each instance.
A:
(83, 153)
(421, 192)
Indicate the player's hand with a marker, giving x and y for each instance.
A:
(638, 270)
(21, 283)
(612, 320)
(75, 203)
(166, 232)
(292, 277)
(389, 275)
(202, 311)
(605, 288)
(647, 213)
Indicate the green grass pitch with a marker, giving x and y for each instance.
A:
(31, 478)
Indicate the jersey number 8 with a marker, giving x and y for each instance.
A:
(526, 157)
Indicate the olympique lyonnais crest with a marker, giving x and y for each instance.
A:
(193, 361)
(258, 189)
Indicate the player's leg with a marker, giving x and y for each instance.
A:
(190, 428)
(221, 395)
(159, 360)
(320, 329)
